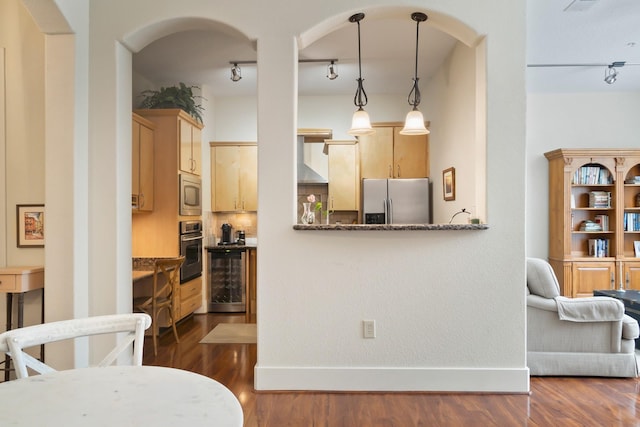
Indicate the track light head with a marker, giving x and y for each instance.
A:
(332, 71)
(610, 74)
(236, 72)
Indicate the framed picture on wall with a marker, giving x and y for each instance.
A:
(30, 226)
(449, 184)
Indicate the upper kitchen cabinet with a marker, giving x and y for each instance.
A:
(142, 161)
(344, 177)
(388, 154)
(190, 144)
(234, 176)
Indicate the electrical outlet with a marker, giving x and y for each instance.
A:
(369, 328)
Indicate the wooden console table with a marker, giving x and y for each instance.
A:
(20, 280)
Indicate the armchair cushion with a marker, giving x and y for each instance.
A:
(593, 309)
(630, 328)
(541, 280)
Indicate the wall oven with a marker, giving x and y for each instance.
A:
(190, 195)
(191, 250)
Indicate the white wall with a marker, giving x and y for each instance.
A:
(448, 319)
(571, 120)
(450, 104)
(21, 137)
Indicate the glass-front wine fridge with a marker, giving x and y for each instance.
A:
(227, 280)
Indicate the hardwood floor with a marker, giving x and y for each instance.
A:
(552, 402)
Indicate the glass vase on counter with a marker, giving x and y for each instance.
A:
(308, 216)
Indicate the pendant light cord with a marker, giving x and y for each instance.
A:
(360, 98)
(415, 91)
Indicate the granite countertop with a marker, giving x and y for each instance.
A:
(390, 227)
(234, 246)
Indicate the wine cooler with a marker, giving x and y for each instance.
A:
(227, 280)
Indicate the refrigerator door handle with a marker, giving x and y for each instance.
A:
(390, 217)
(385, 203)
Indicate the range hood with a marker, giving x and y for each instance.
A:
(306, 175)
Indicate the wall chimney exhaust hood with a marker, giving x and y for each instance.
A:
(306, 175)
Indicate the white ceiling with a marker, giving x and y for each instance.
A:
(600, 32)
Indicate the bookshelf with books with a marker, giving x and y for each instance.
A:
(594, 219)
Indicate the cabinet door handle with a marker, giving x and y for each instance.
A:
(398, 171)
(390, 171)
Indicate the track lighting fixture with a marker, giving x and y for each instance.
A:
(610, 75)
(414, 123)
(360, 123)
(332, 68)
(332, 71)
(610, 72)
(236, 73)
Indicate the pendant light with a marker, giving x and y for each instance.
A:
(360, 124)
(414, 123)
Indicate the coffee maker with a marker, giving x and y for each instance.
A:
(226, 234)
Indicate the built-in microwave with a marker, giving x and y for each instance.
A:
(190, 195)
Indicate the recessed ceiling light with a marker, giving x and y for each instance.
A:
(631, 44)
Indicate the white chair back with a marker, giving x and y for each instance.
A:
(14, 341)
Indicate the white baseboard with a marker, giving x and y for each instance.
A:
(489, 380)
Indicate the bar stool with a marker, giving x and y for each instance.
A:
(166, 279)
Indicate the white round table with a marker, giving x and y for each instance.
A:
(119, 396)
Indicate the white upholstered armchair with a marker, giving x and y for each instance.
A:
(579, 337)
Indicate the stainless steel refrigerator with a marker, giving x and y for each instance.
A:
(396, 201)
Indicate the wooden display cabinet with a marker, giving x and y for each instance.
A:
(592, 198)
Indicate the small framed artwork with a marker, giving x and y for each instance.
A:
(30, 226)
(449, 184)
(636, 247)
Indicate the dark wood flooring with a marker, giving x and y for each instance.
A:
(552, 402)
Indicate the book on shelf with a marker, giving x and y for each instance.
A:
(599, 248)
(632, 180)
(603, 221)
(631, 221)
(599, 199)
(591, 175)
(589, 225)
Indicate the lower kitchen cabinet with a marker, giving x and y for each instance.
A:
(252, 279)
(190, 297)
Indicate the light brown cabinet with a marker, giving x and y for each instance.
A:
(190, 142)
(344, 176)
(594, 219)
(388, 154)
(142, 162)
(234, 177)
(190, 297)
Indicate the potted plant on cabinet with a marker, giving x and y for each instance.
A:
(174, 97)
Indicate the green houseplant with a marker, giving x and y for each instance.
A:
(174, 97)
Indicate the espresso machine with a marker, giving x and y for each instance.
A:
(226, 234)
